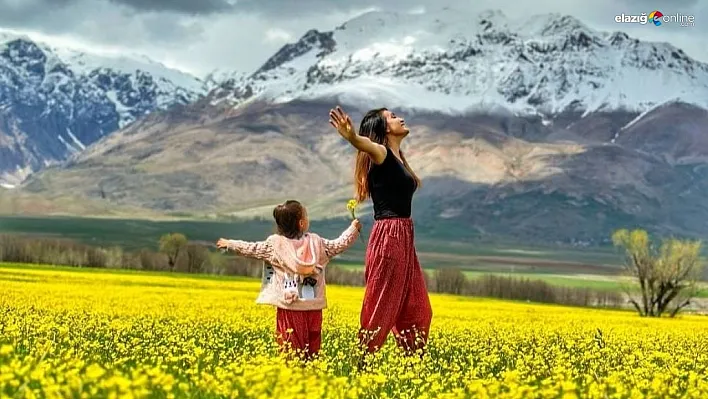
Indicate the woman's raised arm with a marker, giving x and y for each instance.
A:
(343, 123)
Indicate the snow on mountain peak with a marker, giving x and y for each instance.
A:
(83, 63)
(58, 100)
(554, 24)
(545, 63)
(379, 31)
(218, 76)
(7, 35)
(135, 84)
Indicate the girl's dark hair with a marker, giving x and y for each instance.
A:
(287, 218)
(373, 126)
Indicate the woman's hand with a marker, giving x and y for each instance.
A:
(356, 224)
(342, 122)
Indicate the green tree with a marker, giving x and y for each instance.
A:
(172, 245)
(667, 275)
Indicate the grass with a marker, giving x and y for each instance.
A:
(597, 282)
(593, 268)
(592, 282)
(127, 272)
(580, 281)
(137, 234)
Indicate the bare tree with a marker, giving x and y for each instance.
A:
(171, 245)
(667, 275)
(450, 281)
(197, 258)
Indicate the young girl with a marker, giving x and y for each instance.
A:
(293, 278)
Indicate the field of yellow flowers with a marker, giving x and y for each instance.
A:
(76, 333)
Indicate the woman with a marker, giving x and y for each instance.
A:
(396, 298)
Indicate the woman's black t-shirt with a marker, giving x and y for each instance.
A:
(391, 187)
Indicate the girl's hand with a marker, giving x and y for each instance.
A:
(342, 122)
(357, 224)
(222, 243)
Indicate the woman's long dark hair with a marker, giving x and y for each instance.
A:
(373, 126)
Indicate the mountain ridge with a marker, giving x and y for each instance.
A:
(54, 102)
(581, 150)
(547, 64)
(482, 172)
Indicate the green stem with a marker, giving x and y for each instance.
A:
(360, 235)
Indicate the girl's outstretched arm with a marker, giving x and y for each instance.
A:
(261, 250)
(344, 241)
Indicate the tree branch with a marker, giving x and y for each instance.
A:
(680, 306)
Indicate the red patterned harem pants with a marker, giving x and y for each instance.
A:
(299, 331)
(396, 298)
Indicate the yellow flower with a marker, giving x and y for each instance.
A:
(94, 371)
(351, 206)
(64, 336)
(6, 349)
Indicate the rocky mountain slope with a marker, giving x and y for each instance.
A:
(54, 102)
(450, 62)
(538, 130)
(483, 175)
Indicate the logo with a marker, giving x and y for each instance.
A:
(655, 17)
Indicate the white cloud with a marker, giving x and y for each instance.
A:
(200, 42)
(278, 36)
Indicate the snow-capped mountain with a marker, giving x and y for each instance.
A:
(451, 62)
(56, 101)
(621, 140)
(220, 77)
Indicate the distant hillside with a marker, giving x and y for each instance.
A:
(536, 130)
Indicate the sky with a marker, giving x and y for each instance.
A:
(199, 36)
